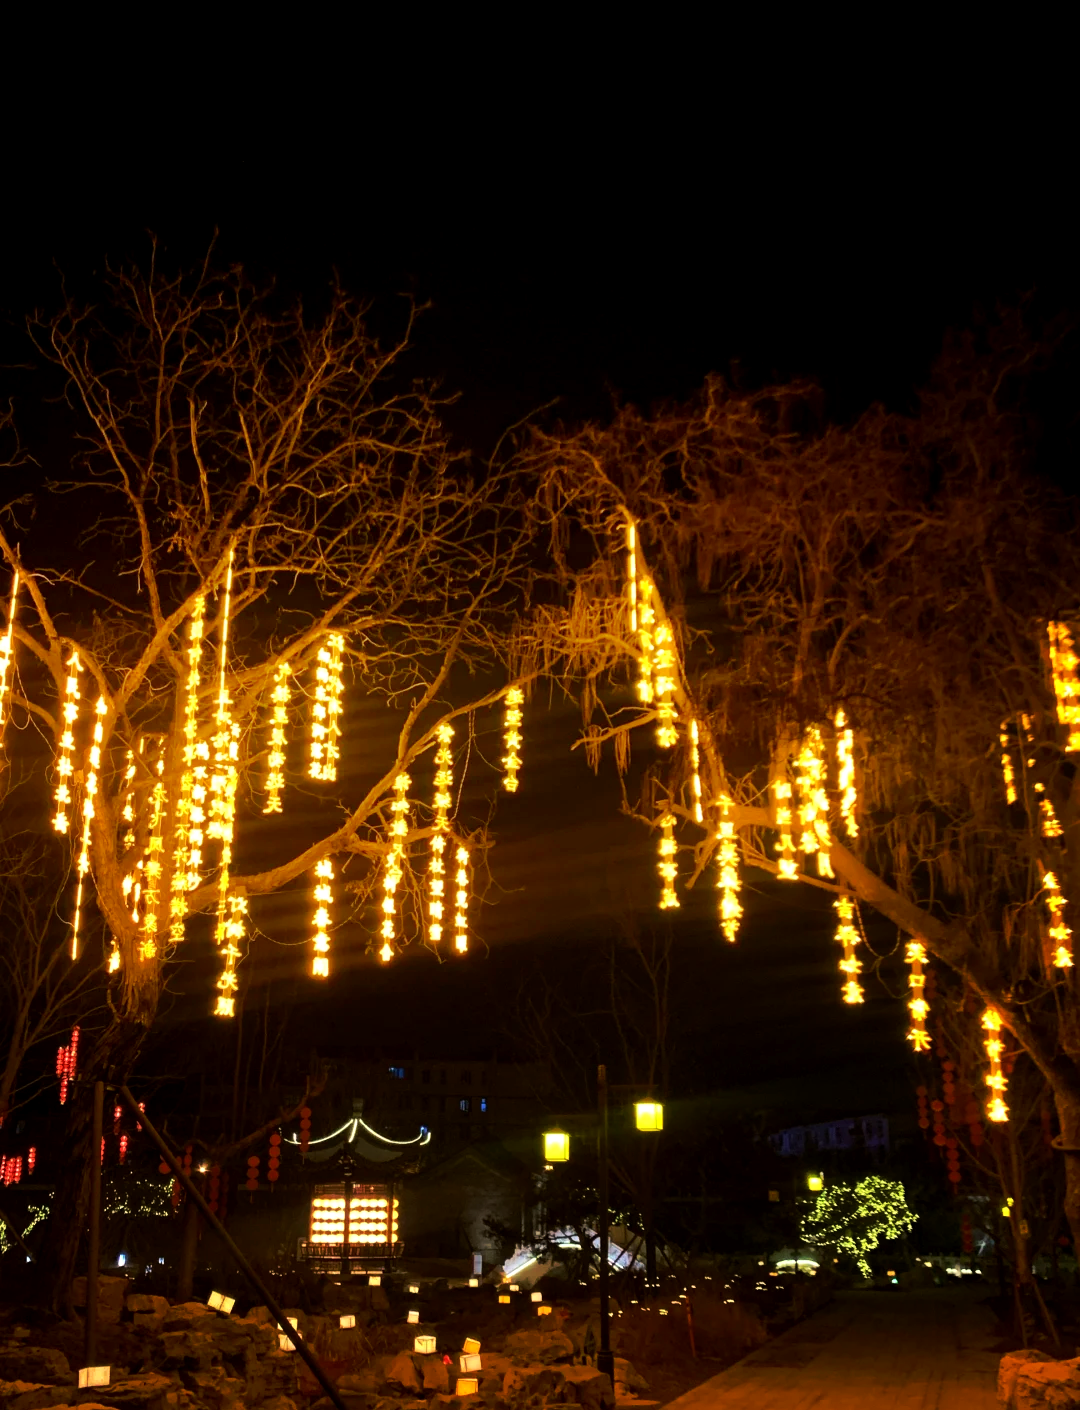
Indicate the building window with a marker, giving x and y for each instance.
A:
(466, 1078)
(398, 1072)
(465, 1104)
(425, 1102)
(442, 1103)
(425, 1076)
(442, 1077)
(483, 1103)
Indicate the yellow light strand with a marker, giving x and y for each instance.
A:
(1060, 933)
(66, 747)
(695, 771)
(1063, 669)
(667, 866)
(515, 698)
(631, 575)
(461, 901)
(325, 724)
(226, 746)
(230, 934)
(728, 879)
(444, 782)
(1008, 773)
(82, 866)
(663, 674)
(324, 899)
(848, 937)
(7, 653)
(646, 620)
(153, 868)
(395, 863)
(279, 718)
(845, 761)
(917, 1004)
(995, 1079)
(786, 868)
(816, 836)
(188, 835)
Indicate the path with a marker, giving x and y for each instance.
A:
(868, 1351)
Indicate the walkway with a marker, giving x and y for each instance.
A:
(868, 1351)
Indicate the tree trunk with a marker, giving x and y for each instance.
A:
(110, 1061)
(1067, 1103)
(189, 1247)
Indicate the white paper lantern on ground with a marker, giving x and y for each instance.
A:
(424, 1345)
(413, 1316)
(466, 1385)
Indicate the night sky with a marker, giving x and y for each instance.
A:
(583, 268)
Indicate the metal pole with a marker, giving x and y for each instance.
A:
(245, 1267)
(93, 1255)
(345, 1267)
(605, 1361)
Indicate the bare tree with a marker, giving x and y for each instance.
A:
(903, 570)
(242, 461)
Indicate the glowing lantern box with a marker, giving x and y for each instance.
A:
(649, 1116)
(537, 1296)
(93, 1376)
(504, 1298)
(556, 1146)
(466, 1385)
(413, 1288)
(515, 1287)
(470, 1346)
(347, 1320)
(474, 1282)
(543, 1310)
(375, 1280)
(469, 1363)
(372, 1226)
(413, 1316)
(220, 1303)
(424, 1345)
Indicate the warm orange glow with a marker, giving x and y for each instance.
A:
(667, 866)
(786, 867)
(848, 937)
(646, 620)
(1060, 933)
(556, 1146)
(326, 710)
(7, 651)
(66, 747)
(845, 761)
(82, 866)
(190, 804)
(461, 901)
(324, 899)
(152, 869)
(395, 860)
(917, 1005)
(1063, 669)
(664, 682)
(279, 718)
(728, 879)
(649, 1116)
(695, 771)
(1008, 773)
(995, 1078)
(512, 738)
(815, 836)
(444, 783)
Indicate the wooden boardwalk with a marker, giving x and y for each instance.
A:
(868, 1351)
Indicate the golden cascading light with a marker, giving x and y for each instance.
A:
(815, 836)
(155, 847)
(848, 938)
(279, 718)
(66, 747)
(728, 872)
(324, 899)
(915, 954)
(664, 682)
(444, 782)
(1060, 933)
(461, 900)
(7, 654)
(786, 867)
(995, 1079)
(1063, 669)
(326, 711)
(93, 768)
(646, 621)
(845, 763)
(186, 860)
(695, 770)
(395, 862)
(667, 866)
(1008, 773)
(515, 698)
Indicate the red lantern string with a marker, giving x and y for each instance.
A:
(123, 1148)
(31, 1159)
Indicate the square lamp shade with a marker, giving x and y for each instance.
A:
(469, 1363)
(93, 1376)
(285, 1342)
(537, 1296)
(414, 1316)
(556, 1146)
(474, 1282)
(543, 1309)
(424, 1345)
(649, 1116)
(504, 1298)
(220, 1303)
(374, 1280)
(346, 1320)
(414, 1288)
(467, 1385)
(815, 1183)
(470, 1346)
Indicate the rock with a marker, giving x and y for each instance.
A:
(436, 1374)
(261, 1314)
(147, 1302)
(215, 1389)
(528, 1348)
(402, 1372)
(280, 1402)
(379, 1300)
(522, 1383)
(149, 1391)
(35, 1363)
(111, 1294)
(151, 1321)
(590, 1386)
(1041, 1383)
(626, 1376)
(1008, 1370)
(187, 1314)
(359, 1382)
(33, 1395)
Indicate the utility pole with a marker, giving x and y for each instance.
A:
(93, 1257)
(605, 1361)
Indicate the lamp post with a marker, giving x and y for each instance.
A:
(648, 1116)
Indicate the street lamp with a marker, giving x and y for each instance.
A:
(816, 1183)
(649, 1116)
(556, 1146)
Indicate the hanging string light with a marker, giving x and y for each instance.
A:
(695, 771)
(226, 736)
(848, 937)
(667, 866)
(663, 672)
(7, 652)
(917, 1004)
(995, 1078)
(728, 879)
(324, 899)
(461, 901)
(786, 868)
(814, 801)
(326, 711)
(1008, 773)
(444, 782)
(67, 1059)
(275, 778)
(1060, 933)
(646, 620)
(114, 955)
(395, 861)
(66, 747)
(230, 934)
(515, 698)
(845, 762)
(154, 853)
(1049, 824)
(82, 866)
(186, 854)
(1063, 669)
(631, 574)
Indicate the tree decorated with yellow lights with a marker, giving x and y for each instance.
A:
(873, 629)
(274, 532)
(853, 1219)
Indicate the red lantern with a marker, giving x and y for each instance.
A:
(31, 1159)
(123, 1148)
(252, 1173)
